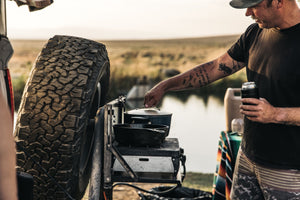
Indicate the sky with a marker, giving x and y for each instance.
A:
(127, 19)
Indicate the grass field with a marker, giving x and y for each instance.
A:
(139, 57)
(131, 60)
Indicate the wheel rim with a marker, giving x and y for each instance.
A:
(88, 140)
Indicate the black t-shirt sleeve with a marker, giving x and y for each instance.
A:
(240, 50)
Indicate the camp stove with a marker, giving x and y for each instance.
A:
(118, 164)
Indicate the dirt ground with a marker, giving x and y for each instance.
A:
(126, 192)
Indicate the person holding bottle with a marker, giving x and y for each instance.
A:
(268, 163)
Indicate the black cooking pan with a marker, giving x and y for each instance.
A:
(140, 135)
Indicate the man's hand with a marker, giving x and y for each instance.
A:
(260, 110)
(153, 96)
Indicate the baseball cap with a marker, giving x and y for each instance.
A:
(244, 3)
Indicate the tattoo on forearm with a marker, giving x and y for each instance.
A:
(225, 69)
(203, 77)
(199, 77)
(236, 66)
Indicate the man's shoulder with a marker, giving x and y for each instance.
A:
(252, 32)
(253, 28)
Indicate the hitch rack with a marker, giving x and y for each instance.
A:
(105, 153)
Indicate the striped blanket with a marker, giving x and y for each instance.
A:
(227, 150)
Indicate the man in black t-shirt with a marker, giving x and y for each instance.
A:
(268, 164)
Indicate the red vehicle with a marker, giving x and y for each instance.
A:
(5, 55)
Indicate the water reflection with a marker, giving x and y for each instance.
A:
(133, 104)
(197, 124)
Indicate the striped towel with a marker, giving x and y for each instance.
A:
(34, 5)
(227, 150)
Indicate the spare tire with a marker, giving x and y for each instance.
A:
(54, 130)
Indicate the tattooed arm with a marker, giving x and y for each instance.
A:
(197, 77)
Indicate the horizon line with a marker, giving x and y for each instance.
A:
(130, 39)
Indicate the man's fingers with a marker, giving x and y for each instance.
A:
(252, 118)
(249, 113)
(149, 102)
(249, 107)
(250, 101)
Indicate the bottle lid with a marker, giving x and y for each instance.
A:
(237, 125)
(248, 85)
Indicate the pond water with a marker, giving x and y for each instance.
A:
(197, 126)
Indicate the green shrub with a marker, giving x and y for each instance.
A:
(18, 87)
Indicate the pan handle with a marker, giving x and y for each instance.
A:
(157, 130)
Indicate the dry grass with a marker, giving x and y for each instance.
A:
(130, 60)
(25, 53)
(138, 58)
(135, 58)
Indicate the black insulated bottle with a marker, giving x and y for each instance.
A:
(249, 90)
